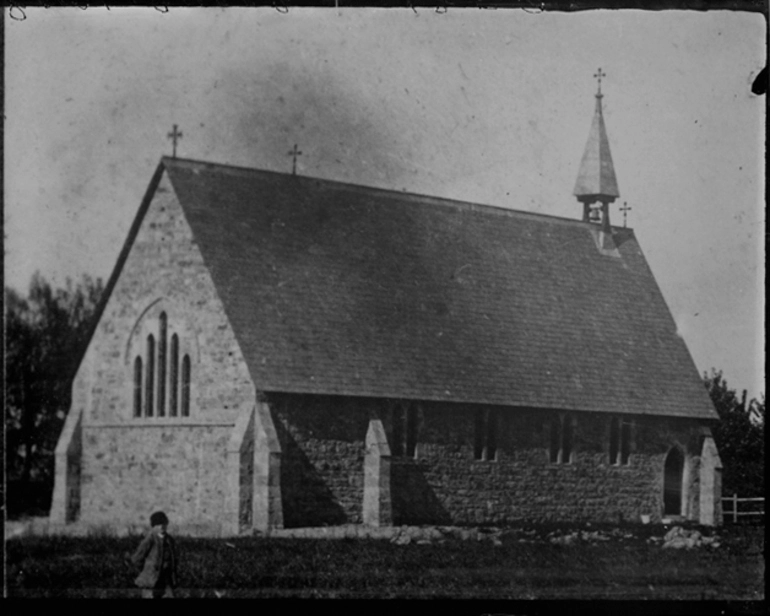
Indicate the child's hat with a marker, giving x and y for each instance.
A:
(158, 518)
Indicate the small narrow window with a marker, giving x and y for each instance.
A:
(625, 442)
(555, 439)
(174, 376)
(397, 432)
(162, 365)
(614, 440)
(566, 444)
(150, 381)
(478, 444)
(411, 430)
(138, 387)
(491, 435)
(186, 386)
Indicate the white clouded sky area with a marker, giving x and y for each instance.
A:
(489, 106)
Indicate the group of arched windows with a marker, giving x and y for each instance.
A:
(158, 387)
(562, 437)
(485, 441)
(404, 426)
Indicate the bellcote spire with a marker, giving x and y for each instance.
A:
(596, 179)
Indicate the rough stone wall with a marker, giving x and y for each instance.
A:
(127, 460)
(323, 455)
(131, 472)
(323, 446)
(521, 483)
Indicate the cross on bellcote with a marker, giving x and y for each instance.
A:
(625, 210)
(174, 135)
(294, 153)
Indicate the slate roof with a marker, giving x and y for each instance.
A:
(333, 288)
(596, 177)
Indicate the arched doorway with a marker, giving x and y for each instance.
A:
(672, 482)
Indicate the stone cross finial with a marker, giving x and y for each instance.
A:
(174, 135)
(599, 74)
(294, 152)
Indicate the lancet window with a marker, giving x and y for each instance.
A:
(162, 378)
(562, 437)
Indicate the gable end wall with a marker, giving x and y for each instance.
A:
(132, 466)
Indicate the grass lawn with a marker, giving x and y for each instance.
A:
(622, 568)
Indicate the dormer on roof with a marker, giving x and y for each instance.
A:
(596, 182)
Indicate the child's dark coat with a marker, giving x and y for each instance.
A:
(149, 556)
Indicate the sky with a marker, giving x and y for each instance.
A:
(488, 106)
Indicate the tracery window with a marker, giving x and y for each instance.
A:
(157, 372)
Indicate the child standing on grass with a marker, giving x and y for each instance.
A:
(156, 555)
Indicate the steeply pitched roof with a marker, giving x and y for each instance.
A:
(340, 289)
(596, 177)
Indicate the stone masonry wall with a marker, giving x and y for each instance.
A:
(522, 483)
(322, 461)
(131, 472)
(323, 453)
(127, 460)
(165, 272)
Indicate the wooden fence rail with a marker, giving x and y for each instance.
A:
(733, 511)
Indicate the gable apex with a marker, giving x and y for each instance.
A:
(122, 256)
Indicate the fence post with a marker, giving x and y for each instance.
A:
(735, 508)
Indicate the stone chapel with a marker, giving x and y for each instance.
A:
(276, 351)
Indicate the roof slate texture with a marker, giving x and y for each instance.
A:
(339, 289)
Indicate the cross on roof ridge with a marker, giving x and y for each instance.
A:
(294, 152)
(174, 135)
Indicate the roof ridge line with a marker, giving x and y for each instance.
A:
(442, 201)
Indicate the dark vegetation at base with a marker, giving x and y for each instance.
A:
(269, 567)
(30, 500)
